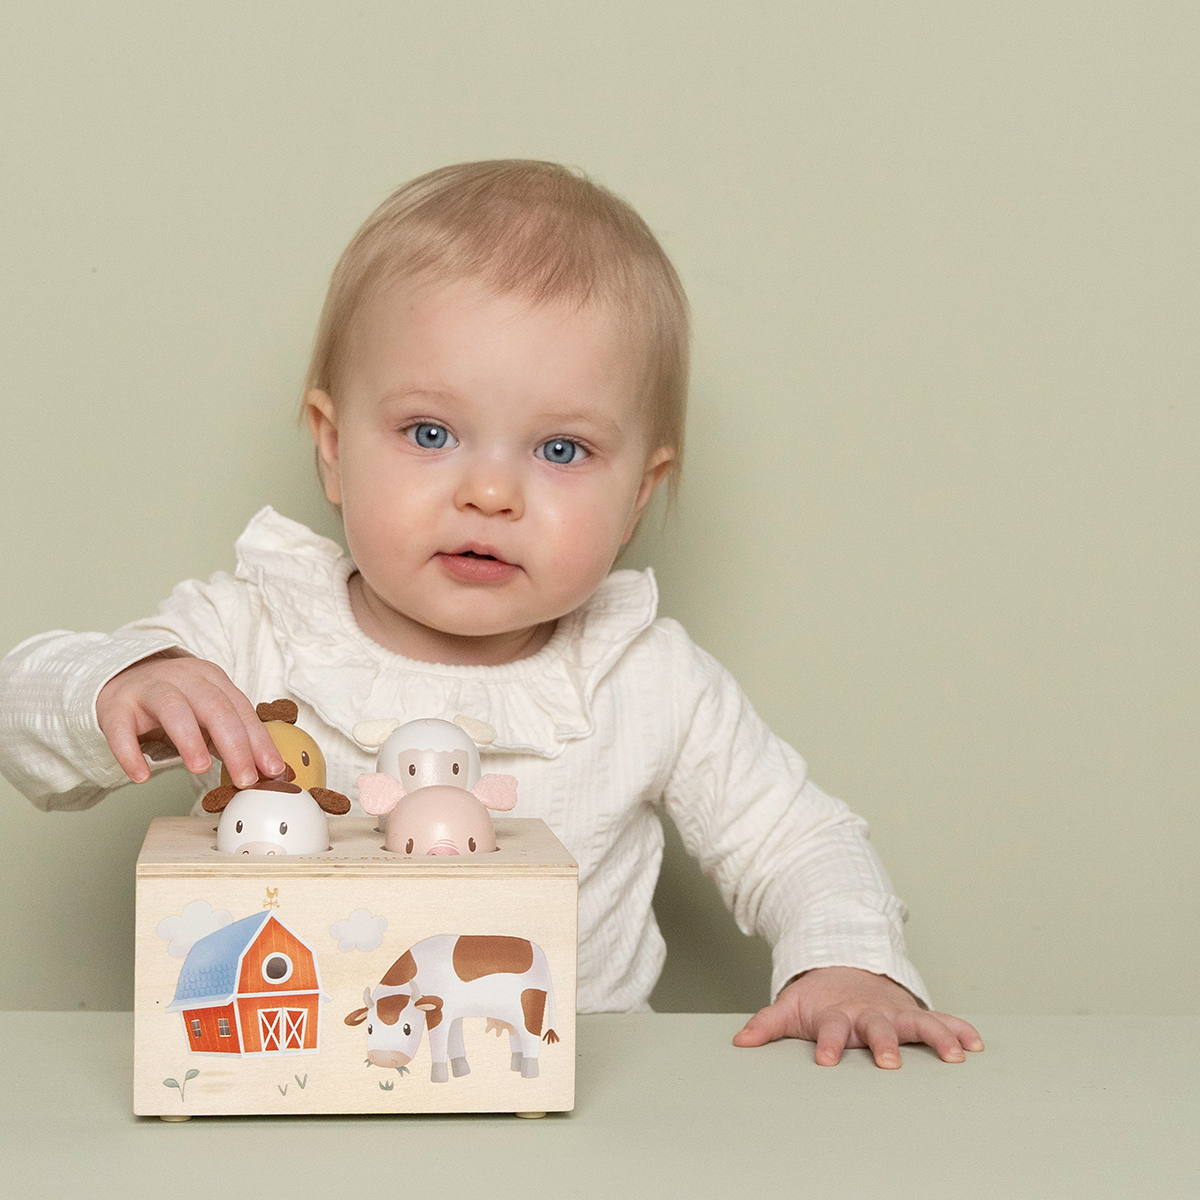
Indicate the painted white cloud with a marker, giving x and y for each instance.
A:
(359, 931)
(196, 921)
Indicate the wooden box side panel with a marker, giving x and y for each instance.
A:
(298, 1054)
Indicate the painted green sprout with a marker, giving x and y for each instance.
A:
(180, 1086)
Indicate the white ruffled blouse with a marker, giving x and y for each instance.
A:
(616, 714)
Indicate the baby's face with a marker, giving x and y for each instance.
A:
(489, 456)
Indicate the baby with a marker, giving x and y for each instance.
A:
(497, 389)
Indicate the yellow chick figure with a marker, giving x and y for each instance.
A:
(297, 748)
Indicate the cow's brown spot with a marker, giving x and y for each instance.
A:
(475, 957)
(278, 710)
(533, 1005)
(389, 1008)
(401, 971)
(275, 785)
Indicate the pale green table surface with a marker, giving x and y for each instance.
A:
(1057, 1106)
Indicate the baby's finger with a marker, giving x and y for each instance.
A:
(265, 754)
(228, 733)
(877, 1032)
(966, 1033)
(927, 1027)
(120, 731)
(171, 709)
(767, 1025)
(833, 1033)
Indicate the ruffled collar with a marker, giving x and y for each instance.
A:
(536, 704)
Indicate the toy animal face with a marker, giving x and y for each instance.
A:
(430, 752)
(430, 768)
(394, 1028)
(299, 750)
(440, 820)
(278, 818)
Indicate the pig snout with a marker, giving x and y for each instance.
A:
(442, 846)
(260, 848)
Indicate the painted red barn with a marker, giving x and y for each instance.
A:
(252, 987)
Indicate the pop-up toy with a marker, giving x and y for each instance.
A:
(431, 788)
(284, 815)
(445, 928)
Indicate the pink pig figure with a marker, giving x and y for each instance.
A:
(438, 819)
(430, 787)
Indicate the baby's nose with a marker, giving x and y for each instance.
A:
(493, 489)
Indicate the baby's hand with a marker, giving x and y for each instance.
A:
(198, 709)
(838, 1007)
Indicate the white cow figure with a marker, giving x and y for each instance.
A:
(443, 979)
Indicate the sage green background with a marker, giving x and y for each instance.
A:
(940, 516)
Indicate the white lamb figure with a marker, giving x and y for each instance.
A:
(429, 784)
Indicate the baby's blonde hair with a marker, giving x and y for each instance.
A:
(536, 229)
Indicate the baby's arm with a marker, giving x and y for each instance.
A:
(52, 746)
(795, 866)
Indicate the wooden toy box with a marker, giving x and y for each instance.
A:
(249, 968)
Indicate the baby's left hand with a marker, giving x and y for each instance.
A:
(838, 1007)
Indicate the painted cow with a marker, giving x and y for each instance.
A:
(443, 979)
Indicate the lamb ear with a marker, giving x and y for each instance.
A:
(379, 794)
(216, 800)
(497, 792)
(373, 734)
(480, 732)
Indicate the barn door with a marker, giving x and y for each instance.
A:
(293, 1028)
(270, 1027)
(282, 1028)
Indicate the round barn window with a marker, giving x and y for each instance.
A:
(276, 968)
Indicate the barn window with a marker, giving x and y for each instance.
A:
(276, 968)
(196, 1028)
(223, 1026)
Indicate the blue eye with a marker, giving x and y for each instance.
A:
(431, 437)
(561, 451)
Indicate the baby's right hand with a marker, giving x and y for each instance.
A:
(198, 709)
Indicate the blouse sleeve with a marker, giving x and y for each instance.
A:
(51, 747)
(793, 864)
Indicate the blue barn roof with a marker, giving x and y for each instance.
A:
(209, 973)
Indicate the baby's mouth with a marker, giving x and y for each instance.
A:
(472, 565)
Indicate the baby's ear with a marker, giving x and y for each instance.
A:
(379, 794)
(498, 792)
